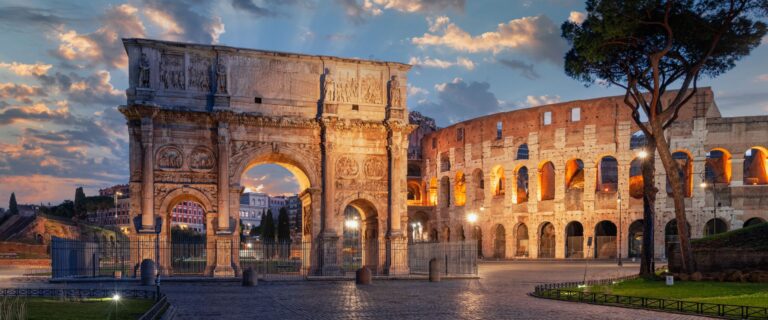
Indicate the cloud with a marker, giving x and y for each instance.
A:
(20, 92)
(268, 8)
(577, 17)
(39, 188)
(23, 69)
(359, 12)
(32, 113)
(185, 20)
(416, 91)
(442, 64)
(538, 37)
(762, 77)
(271, 179)
(103, 46)
(743, 103)
(94, 88)
(532, 101)
(20, 18)
(459, 100)
(525, 69)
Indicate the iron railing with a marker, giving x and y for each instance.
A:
(269, 261)
(569, 291)
(77, 293)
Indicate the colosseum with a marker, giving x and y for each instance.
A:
(542, 181)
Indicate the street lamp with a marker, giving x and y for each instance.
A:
(352, 223)
(621, 229)
(472, 217)
(642, 154)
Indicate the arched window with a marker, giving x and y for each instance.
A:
(636, 178)
(460, 189)
(499, 242)
(574, 175)
(608, 175)
(715, 226)
(478, 183)
(605, 240)
(755, 171)
(638, 140)
(433, 191)
(547, 181)
(445, 192)
(445, 162)
(717, 169)
(414, 170)
(498, 181)
(522, 185)
(522, 152)
(686, 171)
(414, 192)
(753, 222)
(574, 240)
(521, 238)
(547, 241)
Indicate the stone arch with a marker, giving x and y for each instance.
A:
(478, 186)
(460, 189)
(174, 261)
(371, 228)
(636, 178)
(415, 194)
(635, 239)
(499, 242)
(574, 240)
(418, 227)
(756, 166)
(605, 240)
(522, 191)
(445, 235)
(670, 235)
(521, 240)
(546, 240)
(607, 175)
(179, 195)
(498, 184)
(753, 221)
(295, 161)
(477, 235)
(715, 226)
(445, 192)
(717, 167)
(546, 181)
(574, 175)
(522, 152)
(432, 192)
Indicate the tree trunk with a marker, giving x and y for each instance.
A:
(673, 169)
(647, 261)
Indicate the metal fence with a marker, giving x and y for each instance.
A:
(270, 261)
(77, 293)
(568, 291)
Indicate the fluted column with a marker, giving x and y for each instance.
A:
(147, 176)
(223, 187)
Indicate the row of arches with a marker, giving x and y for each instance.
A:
(717, 171)
(605, 238)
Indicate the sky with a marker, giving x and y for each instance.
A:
(63, 70)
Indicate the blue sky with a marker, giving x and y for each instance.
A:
(62, 69)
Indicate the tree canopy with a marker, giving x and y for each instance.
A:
(268, 230)
(283, 226)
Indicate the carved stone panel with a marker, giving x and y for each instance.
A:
(341, 86)
(375, 167)
(372, 91)
(169, 158)
(201, 159)
(172, 71)
(346, 167)
(199, 72)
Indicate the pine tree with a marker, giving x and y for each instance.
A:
(268, 232)
(80, 208)
(283, 226)
(13, 207)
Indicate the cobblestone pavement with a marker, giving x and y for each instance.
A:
(500, 293)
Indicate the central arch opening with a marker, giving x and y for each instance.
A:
(188, 244)
(273, 210)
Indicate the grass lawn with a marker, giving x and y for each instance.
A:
(52, 308)
(734, 293)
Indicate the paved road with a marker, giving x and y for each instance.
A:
(501, 293)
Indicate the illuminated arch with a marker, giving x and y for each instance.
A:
(546, 181)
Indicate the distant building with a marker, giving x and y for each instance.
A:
(110, 191)
(252, 206)
(107, 218)
(188, 215)
(294, 212)
(28, 210)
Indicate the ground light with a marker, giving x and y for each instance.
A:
(116, 297)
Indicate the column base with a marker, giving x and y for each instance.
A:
(223, 267)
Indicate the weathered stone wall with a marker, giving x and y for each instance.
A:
(603, 128)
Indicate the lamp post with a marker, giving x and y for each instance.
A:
(621, 228)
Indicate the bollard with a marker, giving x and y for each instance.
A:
(118, 274)
(148, 272)
(249, 278)
(363, 276)
(434, 270)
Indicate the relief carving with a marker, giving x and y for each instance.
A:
(346, 167)
(329, 86)
(339, 90)
(395, 96)
(185, 177)
(172, 71)
(143, 71)
(199, 73)
(375, 168)
(221, 76)
(372, 90)
(201, 158)
(362, 185)
(170, 157)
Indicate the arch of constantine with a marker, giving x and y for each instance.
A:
(200, 116)
(542, 181)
